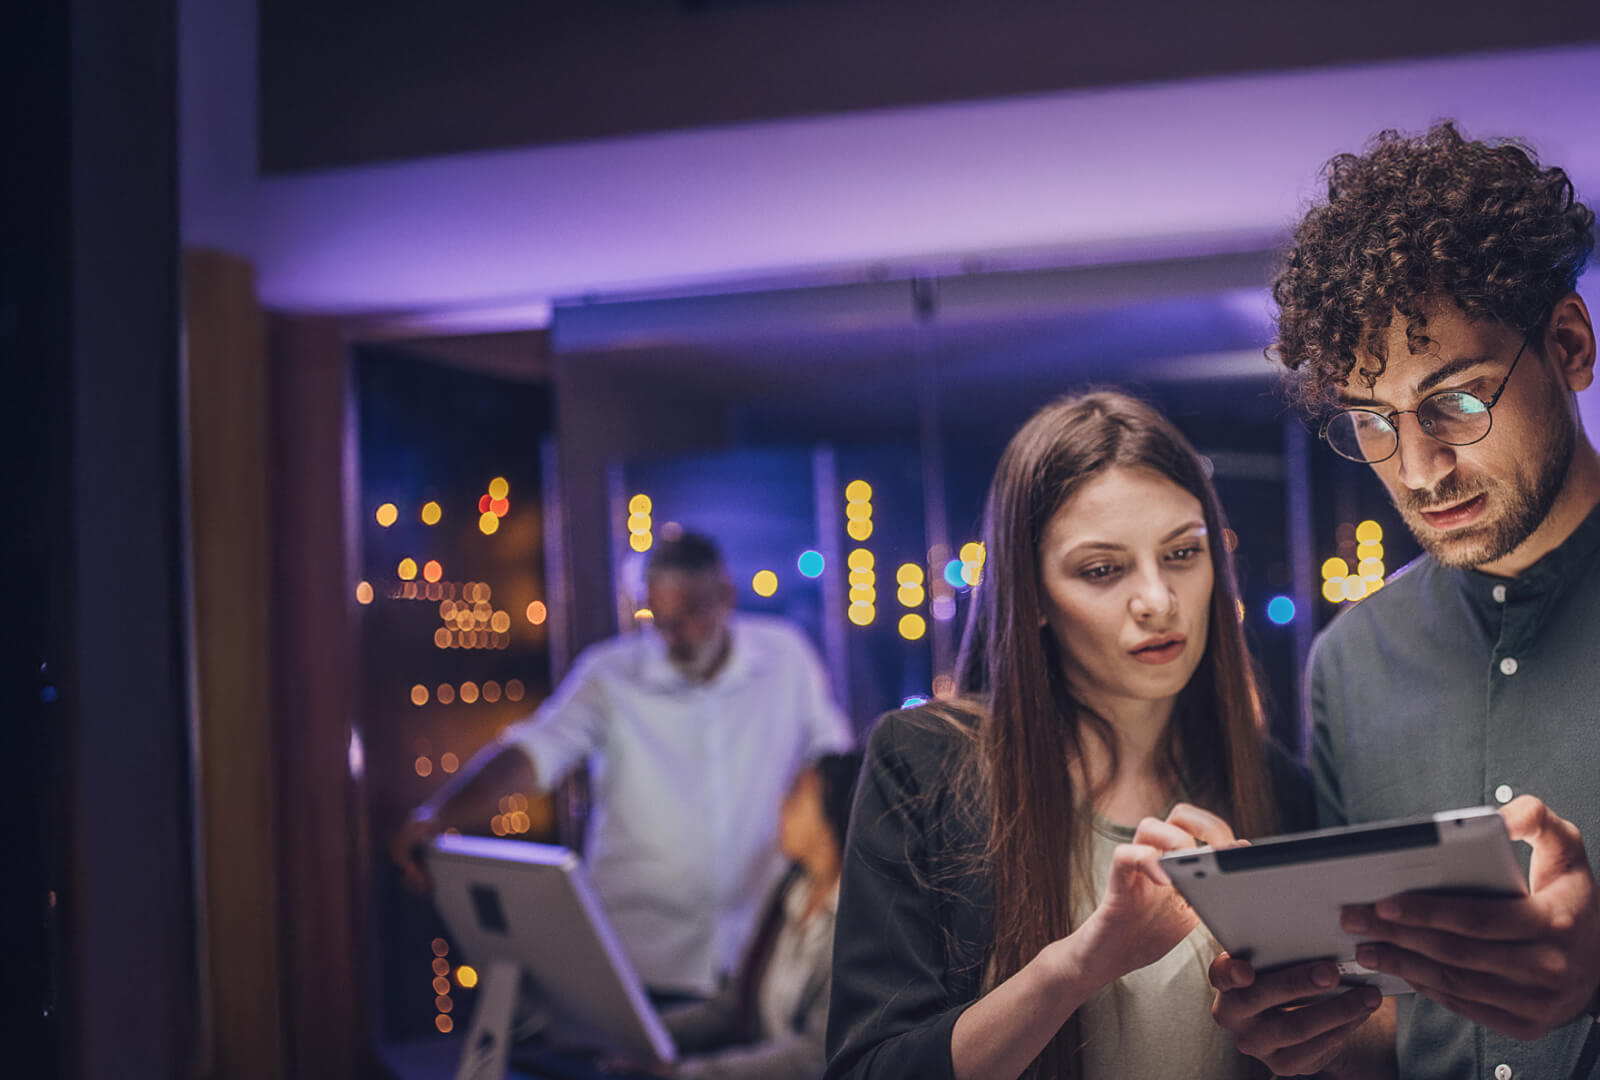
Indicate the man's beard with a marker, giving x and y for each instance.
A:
(1526, 499)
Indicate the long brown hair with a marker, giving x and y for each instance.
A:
(1023, 726)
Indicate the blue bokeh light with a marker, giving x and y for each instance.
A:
(1280, 609)
(811, 563)
(952, 573)
(913, 701)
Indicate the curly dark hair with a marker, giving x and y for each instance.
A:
(1416, 220)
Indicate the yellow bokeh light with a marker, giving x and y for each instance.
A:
(857, 491)
(538, 613)
(638, 523)
(432, 570)
(364, 593)
(1240, 604)
(971, 573)
(1333, 590)
(500, 622)
(972, 552)
(861, 614)
(639, 541)
(639, 504)
(908, 574)
(858, 512)
(469, 692)
(407, 570)
(912, 626)
(498, 488)
(1369, 550)
(467, 976)
(441, 638)
(1371, 569)
(1355, 588)
(765, 583)
(859, 559)
(488, 523)
(863, 577)
(910, 595)
(1369, 532)
(431, 513)
(388, 514)
(419, 695)
(644, 613)
(859, 531)
(863, 594)
(1335, 568)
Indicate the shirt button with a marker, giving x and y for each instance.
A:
(1508, 666)
(1502, 1072)
(1503, 793)
(1500, 598)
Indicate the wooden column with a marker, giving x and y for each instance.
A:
(323, 858)
(236, 826)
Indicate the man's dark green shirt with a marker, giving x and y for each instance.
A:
(1451, 688)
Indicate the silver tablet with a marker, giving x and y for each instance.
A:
(1277, 901)
(509, 903)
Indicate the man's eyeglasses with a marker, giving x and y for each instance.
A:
(1454, 417)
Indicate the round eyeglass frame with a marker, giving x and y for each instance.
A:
(1394, 428)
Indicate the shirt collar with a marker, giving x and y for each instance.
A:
(742, 662)
(1552, 574)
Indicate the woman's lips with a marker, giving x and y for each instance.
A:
(1454, 517)
(1160, 654)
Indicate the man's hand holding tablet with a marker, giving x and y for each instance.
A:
(1519, 965)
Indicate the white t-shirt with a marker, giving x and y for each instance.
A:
(686, 781)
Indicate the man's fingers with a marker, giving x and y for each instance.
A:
(1231, 972)
(1453, 979)
(1408, 950)
(1285, 1029)
(1517, 1027)
(1314, 1054)
(1203, 825)
(1274, 989)
(1481, 919)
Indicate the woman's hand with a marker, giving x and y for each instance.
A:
(1141, 916)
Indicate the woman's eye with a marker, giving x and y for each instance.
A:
(1184, 554)
(1099, 573)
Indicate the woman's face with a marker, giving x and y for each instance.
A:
(1125, 572)
(801, 824)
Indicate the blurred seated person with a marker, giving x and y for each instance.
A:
(692, 731)
(769, 1021)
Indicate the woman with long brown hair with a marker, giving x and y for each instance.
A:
(1003, 912)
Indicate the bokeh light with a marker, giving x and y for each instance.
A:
(811, 563)
(388, 514)
(912, 626)
(488, 523)
(537, 613)
(1280, 609)
(364, 593)
(498, 488)
(432, 570)
(431, 513)
(765, 583)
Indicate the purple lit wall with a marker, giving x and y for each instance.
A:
(1185, 167)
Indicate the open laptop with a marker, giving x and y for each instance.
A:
(523, 911)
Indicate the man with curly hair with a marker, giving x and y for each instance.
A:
(1429, 318)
